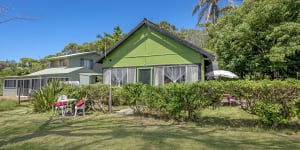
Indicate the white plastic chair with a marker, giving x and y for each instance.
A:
(78, 106)
(62, 98)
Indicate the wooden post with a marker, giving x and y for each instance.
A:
(19, 95)
(109, 100)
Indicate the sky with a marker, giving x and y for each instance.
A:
(56, 23)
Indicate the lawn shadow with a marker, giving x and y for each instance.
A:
(227, 122)
(106, 129)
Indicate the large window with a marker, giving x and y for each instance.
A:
(145, 75)
(36, 84)
(87, 63)
(54, 63)
(63, 63)
(58, 63)
(174, 74)
(8, 84)
(57, 78)
(156, 75)
(119, 76)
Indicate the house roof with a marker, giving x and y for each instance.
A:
(162, 31)
(90, 74)
(71, 55)
(50, 71)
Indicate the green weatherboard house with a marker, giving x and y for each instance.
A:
(151, 55)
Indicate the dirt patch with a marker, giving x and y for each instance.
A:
(128, 111)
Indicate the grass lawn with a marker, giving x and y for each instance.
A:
(224, 128)
(8, 104)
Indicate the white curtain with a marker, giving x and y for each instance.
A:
(131, 75)
(191, 73)
(106, 76)
(118, 76)
(158, 75)
(174, 73)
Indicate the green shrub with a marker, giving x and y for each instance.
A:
(76, 92)
(203, 95)
(117, 98)
(8, 105)
(98, 91)
(133, 93)
(155, 100)
(297, 105)
(276, 102)
(1, 85)
(271, 94)
(174, 97)
(270, 113)
(44, 99)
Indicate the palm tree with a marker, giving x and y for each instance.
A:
(209, 9)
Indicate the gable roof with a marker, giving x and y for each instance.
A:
(162, 31)
(71, 55)
(50, 71)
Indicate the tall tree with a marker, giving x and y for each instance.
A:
(71, 48)
(170, 28)
(117, 35)
(108, 40)
(32, 65)
(209, 9)
(259, 38)
(194, 36)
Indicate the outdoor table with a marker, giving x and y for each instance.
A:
(68, 106)
(230, 100)
(226, 96)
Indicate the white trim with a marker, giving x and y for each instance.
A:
(6, 87)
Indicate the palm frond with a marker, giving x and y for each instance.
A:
(198, 6)
(208, 13)
(202, 12)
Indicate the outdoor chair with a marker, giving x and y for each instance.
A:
(231, 101)
(61, 104)
(80, 105)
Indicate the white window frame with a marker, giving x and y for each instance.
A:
(9, 85)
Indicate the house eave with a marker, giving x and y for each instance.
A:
(71, 55)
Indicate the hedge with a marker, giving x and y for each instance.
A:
(275, 102)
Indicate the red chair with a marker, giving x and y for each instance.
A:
(61, 103)
(80, 105)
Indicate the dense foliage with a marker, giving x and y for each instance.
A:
(259, 39)
(44, 99)
(275, 102)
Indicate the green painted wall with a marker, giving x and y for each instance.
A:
(146, 47)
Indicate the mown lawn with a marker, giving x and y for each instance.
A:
(8, 104)
(224, 128)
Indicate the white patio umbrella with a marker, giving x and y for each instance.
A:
(221, 73)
